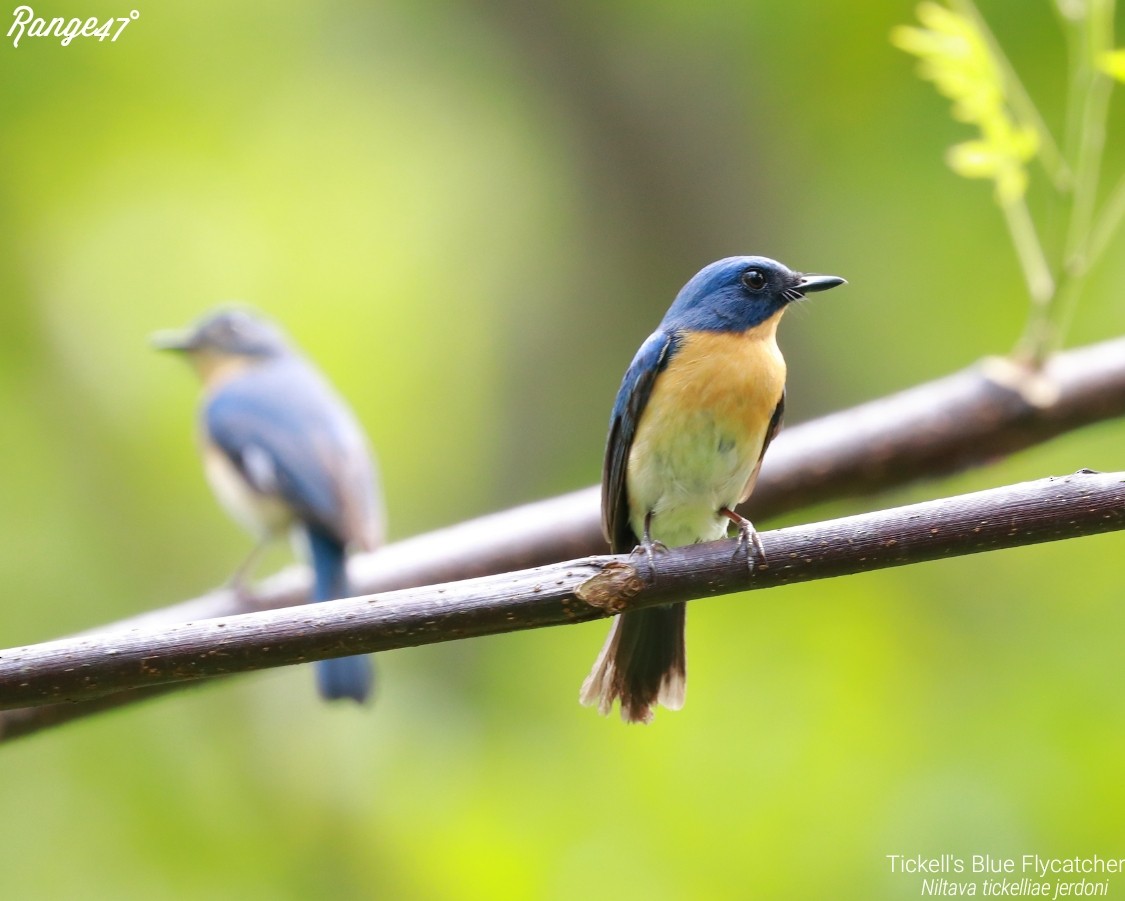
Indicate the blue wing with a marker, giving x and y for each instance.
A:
(290, 435)
(632, 397)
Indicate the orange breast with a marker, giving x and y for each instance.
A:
(700, 437)
(735, 379)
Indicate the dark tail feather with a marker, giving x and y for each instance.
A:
(643, 664)
(341, 677)
(345, 677)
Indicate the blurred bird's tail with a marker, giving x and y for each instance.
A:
(345, 677)
(341, 677)
(643, 664)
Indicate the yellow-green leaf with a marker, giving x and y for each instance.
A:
(1113, 63)
(974, 159)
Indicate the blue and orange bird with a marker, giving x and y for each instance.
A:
(695, 413)
(282, 451)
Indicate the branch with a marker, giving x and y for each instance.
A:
(941, 427)
(88, 668)
(959, 421)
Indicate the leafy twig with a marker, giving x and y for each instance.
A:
(1050, 156)
(959, 53)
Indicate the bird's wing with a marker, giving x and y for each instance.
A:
(771, 433)
(632, 397)
(290, 437)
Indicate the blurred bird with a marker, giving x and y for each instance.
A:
(282, 451)
(696, 411)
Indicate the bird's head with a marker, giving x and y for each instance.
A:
(738, 293)
(225, 342)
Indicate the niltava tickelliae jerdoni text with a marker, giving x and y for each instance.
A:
(696, 411)
(283, 452)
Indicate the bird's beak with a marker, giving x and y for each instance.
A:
(809, 283)
(173, 339)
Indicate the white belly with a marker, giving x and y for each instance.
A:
(262, 515)
(687, 477)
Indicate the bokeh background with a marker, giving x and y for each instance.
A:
(471, 212)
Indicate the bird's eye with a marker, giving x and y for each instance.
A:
(754, 279)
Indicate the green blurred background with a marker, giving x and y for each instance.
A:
(471, 212)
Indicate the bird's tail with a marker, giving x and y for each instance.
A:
(643, 664)
(341, 677)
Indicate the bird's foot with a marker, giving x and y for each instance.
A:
(239, 582)
(747, 537)
(239, 586)
(649, 549)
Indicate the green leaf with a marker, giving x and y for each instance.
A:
(1113, 64)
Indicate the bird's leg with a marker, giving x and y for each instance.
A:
(649, 547)
(747, 536)
(239, 581)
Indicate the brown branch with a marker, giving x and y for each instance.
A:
(962, 420)
(28, 720)
(91, 667)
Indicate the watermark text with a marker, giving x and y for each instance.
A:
(26, 23)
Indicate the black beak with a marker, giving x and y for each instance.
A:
(809, 283)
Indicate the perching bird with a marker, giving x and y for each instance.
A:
(282, 451)
(696, 411)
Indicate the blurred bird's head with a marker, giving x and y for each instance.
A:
(738, 293)
(225, 342)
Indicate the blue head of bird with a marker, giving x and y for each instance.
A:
(739, 293)
(225, 342)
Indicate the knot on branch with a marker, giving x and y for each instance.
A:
(1037, 389)
(612, 588)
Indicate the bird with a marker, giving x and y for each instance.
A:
(282, 452)
(696, 410)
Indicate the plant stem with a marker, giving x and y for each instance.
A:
(1089, 93)
(1040, 283)
(1095, 87)
(1107, 223)
(1089, 32)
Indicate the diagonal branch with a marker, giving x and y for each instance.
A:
(941, 427)
(962, 420)
(88, 668)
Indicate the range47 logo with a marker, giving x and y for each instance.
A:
(25, 22)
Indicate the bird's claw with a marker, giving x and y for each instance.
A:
(748, 538)
(649, 549)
